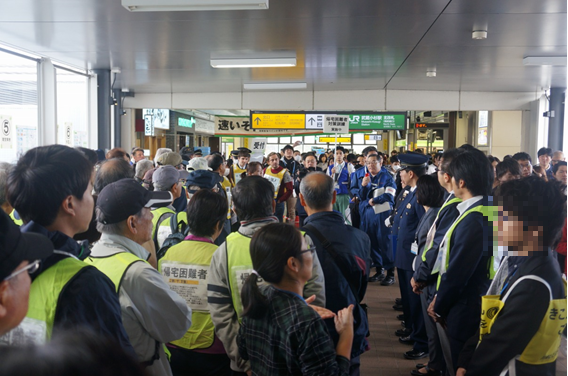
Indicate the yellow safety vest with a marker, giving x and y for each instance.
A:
(160, 234)
(19, 222)
(237, 172)
(185, 267)
(44, 294)
(431, 242)
(444, 255)
(543, 347)
(226, 183)
(275, 179)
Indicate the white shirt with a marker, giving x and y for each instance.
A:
(464, 205)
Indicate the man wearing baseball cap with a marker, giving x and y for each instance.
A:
(167, 179)
(152, 313)
(20, 256)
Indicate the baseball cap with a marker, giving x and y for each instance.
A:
(121, 199)
(166, 176)
(203, 179)
(198, 163)
(169, 158)
(17, 246)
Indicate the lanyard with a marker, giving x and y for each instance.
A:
(508, 280)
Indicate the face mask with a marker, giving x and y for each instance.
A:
(396, 167)
(298, 158)
(227, 171)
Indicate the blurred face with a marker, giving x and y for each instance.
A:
(544, 160)
(83, 210)
(561, 174)
(222, 168)
(339, 156)
(508, 176)
(243, 161)
(405, 177)
(288, 153)
(257, 172)
(274, 162)
(373, 164)
(14, 297)
(361, 160)
(557, 157)
(526, 167)
(138, 155)
(310, 162)
(510, 231)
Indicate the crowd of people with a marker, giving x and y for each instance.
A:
(195, 265)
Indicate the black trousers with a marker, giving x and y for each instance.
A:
(191, 363)
(435, 353)
(412, 309)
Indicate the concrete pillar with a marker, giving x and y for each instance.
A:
(103, 108)
(556, 123)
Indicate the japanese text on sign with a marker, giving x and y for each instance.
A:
(336, 124)
(188, 281)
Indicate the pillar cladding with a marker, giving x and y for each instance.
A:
(103, 108)
(556, 123)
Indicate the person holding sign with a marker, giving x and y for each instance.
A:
(185, 267)
(282, 182)
(524, 312)
(341, 172)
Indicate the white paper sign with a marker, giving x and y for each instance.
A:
(336, 124)
(7, 131)
(315, 121)
(257, 145)
(68, 134)
(189, 281)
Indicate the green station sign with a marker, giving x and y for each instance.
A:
(377, 122)
(186, 123)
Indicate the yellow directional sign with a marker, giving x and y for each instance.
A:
(279, 121)
(332, 139)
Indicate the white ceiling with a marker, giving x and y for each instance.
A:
(340, 45)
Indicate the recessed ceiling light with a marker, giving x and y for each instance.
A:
(431, 73)
(275, 85)
(479, 34)
(192, 5)
(253, 59)
(544, 60)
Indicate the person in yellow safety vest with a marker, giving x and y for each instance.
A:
(66, 293)
(253, 200)
(185, 267)
(167, 179)
(152, 313)
(464, 261)
(282, 181)
(21, 255)
(524, 312)
(238, 168)
(4, 204)
(218, 165)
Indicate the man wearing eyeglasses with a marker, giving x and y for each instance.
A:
(20, 256)
(525, 162)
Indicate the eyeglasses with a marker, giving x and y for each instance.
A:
(372, 163)
(310, 249)
(30, 268)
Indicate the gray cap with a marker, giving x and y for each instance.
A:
(166, 176)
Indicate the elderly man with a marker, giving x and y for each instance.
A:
(559, 171)
(253, 200)
(142, 167)
(167, 179)
(20, 254)
(345, 257)
(152, 313)
(557, 156)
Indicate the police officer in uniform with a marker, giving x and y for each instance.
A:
(404, 227)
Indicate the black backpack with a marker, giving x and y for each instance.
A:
(176, 237)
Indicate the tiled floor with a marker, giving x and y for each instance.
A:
(385, 357)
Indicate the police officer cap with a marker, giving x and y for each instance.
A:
(203, 179)
(409, 160)
(235, 152)
(245, 149)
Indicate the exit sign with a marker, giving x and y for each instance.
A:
(186, 123)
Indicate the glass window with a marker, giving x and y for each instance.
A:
(309, 139)
(358, 138)
(272, 140)
(18, 106)
(297, 138)
(72, 108)
(285, 140)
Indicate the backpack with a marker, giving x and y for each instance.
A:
(175, 237)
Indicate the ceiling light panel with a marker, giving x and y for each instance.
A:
(192, 5)
(544, 60)
(253, 59)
